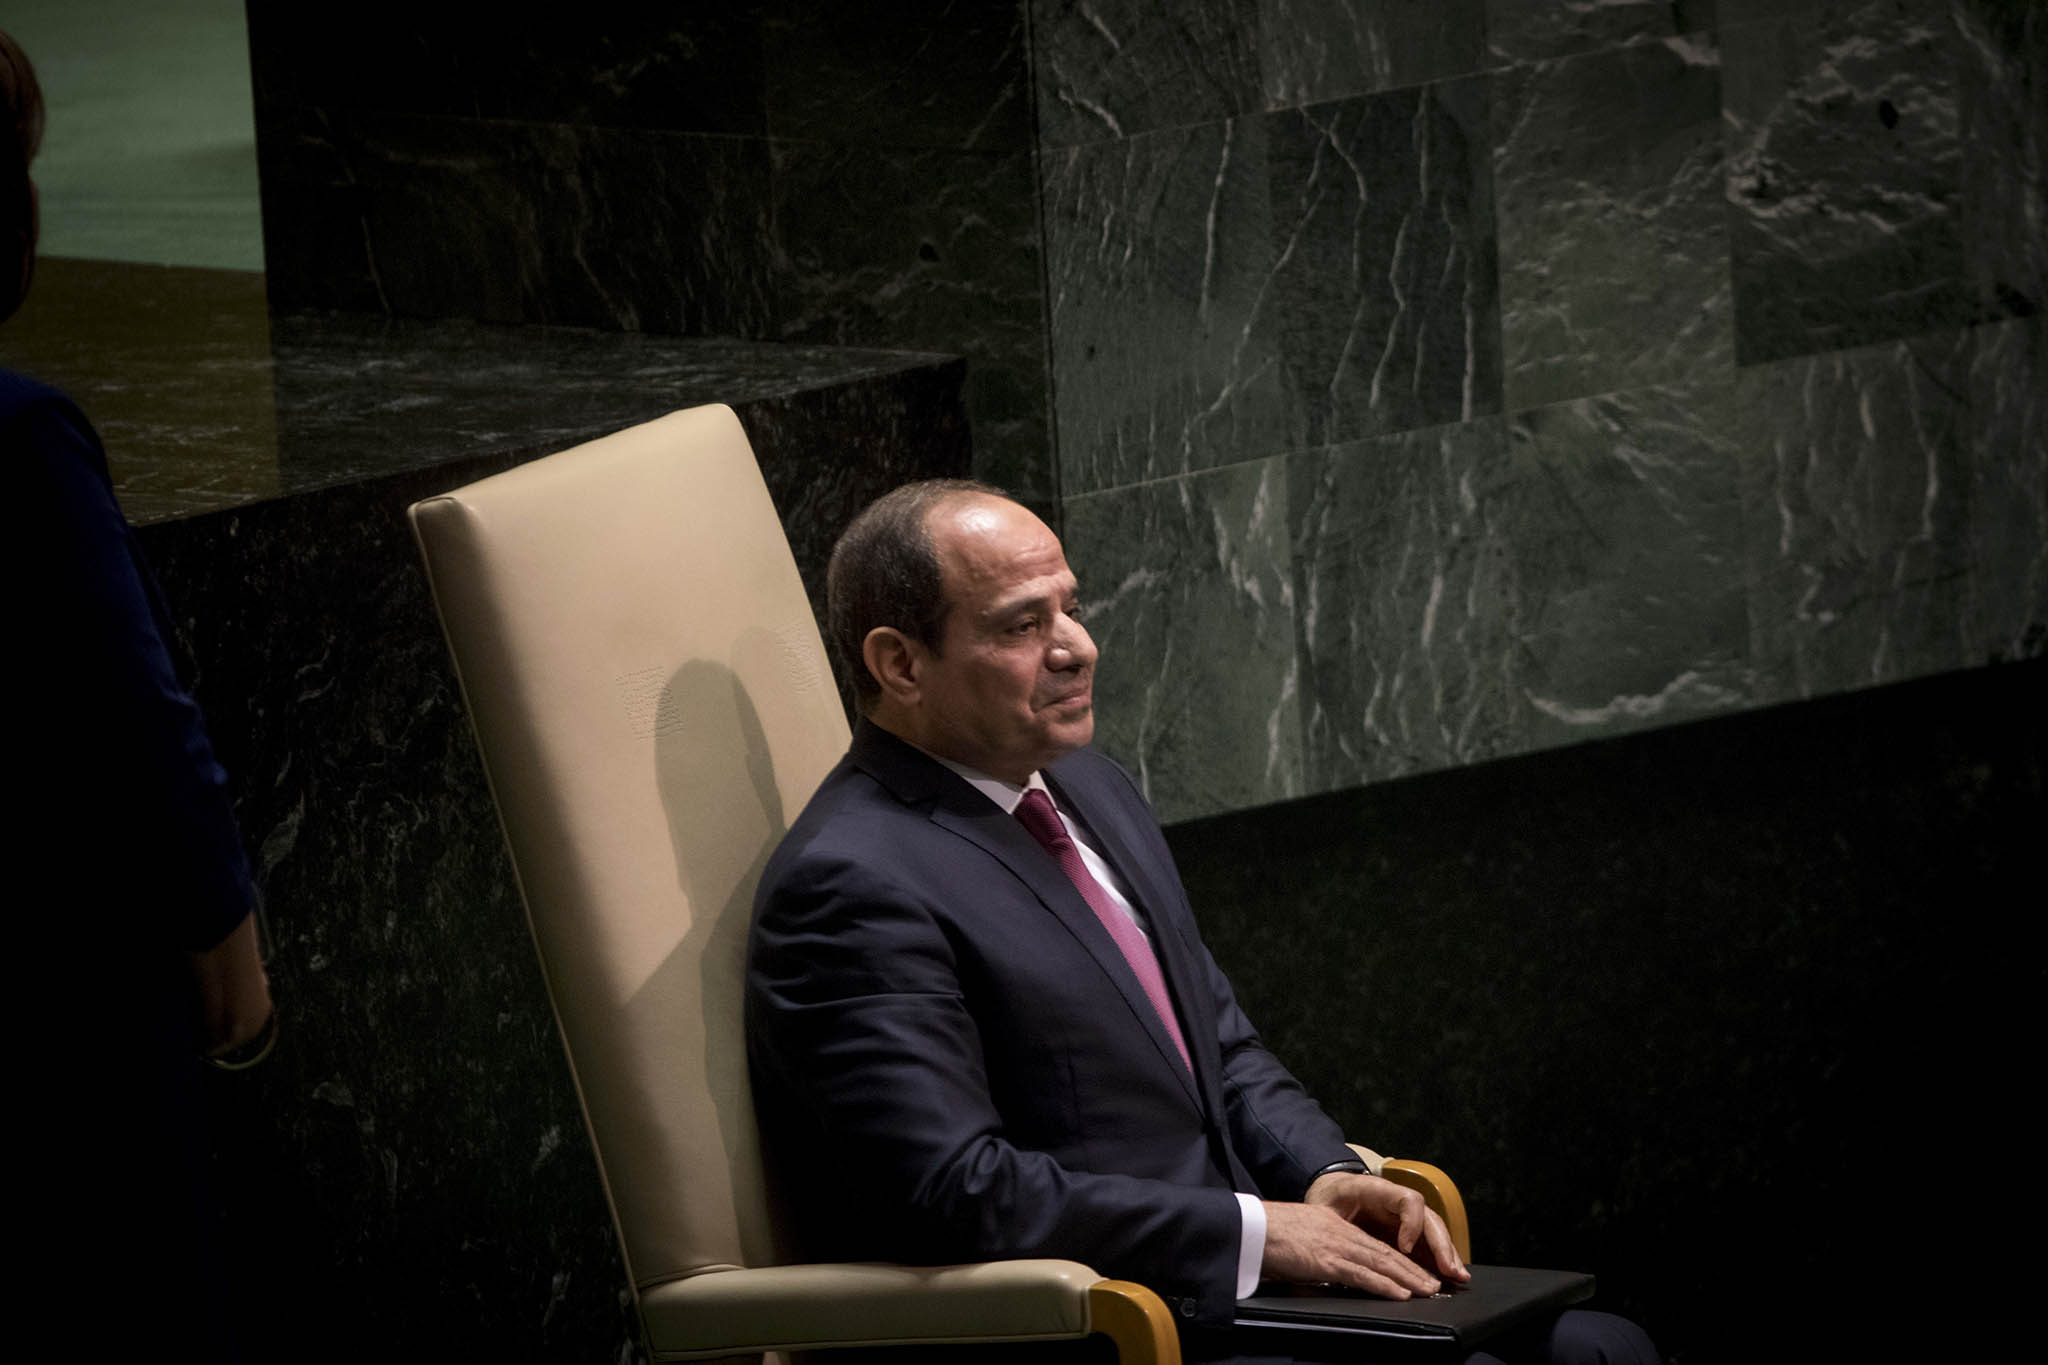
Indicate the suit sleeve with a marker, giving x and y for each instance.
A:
(869, 1069)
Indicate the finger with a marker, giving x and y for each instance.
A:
(1443, 1250)
(1384, 1260)
(1414, 1213)
(1388, 1273)
(1372, 1282)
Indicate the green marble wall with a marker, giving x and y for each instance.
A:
(1415, 384)
(1438, 383)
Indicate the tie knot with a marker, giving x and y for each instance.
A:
(1035, 812)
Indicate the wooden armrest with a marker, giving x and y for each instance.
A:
(812, 1307)
(1438, 1191)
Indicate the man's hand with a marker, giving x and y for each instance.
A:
(1364, 1232)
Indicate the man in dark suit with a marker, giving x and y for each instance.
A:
(982, 1021)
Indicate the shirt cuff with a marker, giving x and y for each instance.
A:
(1251, 1244)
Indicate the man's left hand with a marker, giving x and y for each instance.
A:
(1396, 1215)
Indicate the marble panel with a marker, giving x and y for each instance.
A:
(2008, 461)
(1625, 519)
(2004, 126)
(1406, 594)
(1857, 492)
(695, 68)
(1526, 31)
(1385, 297)
(927, 249)
(1159, 291)
(1189, 599)
(1844, 173)
(317, 248)
(1613, 244)
(1316, 50)
(900, 74)
(1116, 68)
(503, 222)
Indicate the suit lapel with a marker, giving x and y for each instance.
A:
(955, 806)
(1009, 842)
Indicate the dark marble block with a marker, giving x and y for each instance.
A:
(1117, 68)
(1536, 30)
(1406, 587)
(205, 401)
(1316, 50)
(1637, 995)
(1187, 593)
(676, 68)
(504, 222)
(875, 247)
(1844, 175)
(648, 231)
(948, 74)
(1384, 292)
(909, 74)
(1857, 486)
(1162, 322)
(1608, 194)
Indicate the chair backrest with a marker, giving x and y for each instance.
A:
(653, 705)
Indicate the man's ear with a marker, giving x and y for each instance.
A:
(894, 661)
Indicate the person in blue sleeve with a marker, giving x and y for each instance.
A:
(134, 937)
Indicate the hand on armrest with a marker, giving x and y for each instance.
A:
(1363, 1232)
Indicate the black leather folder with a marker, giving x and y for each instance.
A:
(1459, 1320)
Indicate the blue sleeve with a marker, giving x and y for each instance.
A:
(115, 745)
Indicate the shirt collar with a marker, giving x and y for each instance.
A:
(1007, 795)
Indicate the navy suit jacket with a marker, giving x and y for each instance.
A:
(952, 1060)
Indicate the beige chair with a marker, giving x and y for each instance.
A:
(653, 705)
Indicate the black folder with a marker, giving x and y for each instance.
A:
(1500, 1297)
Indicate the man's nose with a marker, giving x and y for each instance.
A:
(1073, 646)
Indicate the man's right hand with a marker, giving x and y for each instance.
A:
(1312, 1244)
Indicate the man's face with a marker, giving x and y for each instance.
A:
(1011, 686)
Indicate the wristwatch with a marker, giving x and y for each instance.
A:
(1353, 1166)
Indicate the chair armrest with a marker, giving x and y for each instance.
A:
(1438, 1191)
(812, 1307)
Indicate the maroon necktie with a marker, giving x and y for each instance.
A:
(1036, 814)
